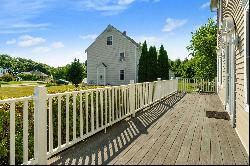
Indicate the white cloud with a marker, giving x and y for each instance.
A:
(108, 7)
(40, 50)
(205, 5)
(172, 24)
(10, 42)
(125, 2)
(15, 15)
(88, 37)
(57, 45)
(28, 41)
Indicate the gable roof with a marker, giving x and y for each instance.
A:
(123, 34)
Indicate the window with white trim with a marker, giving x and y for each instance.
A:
(122, 75)
(122, 56)
(110, 40)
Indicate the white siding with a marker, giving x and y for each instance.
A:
(100, 52)
(234, 10)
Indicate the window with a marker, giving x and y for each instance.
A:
(122, 56)
(122, 74)
(109, 40)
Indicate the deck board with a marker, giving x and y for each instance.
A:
(173, 131)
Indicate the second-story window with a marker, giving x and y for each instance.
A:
(109, 40)
(122, 56)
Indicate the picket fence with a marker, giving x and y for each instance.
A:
(97, 108)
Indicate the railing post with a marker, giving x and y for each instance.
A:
(40, 123)
(132, 97)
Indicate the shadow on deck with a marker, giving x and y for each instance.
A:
(177, 130)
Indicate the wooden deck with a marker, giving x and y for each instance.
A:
(177, 130)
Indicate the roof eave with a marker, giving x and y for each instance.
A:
(213, 5)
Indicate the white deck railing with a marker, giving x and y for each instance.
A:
(79, 114)
(197, 85)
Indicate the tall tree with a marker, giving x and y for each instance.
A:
(75, 72)
(203, 49)
(163, 66)
(142, 71)
(154, 64)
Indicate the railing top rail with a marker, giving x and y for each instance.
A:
(16, 99)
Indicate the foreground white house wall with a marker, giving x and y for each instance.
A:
(104, 64)
(233, 61)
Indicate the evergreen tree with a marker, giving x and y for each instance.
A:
(75, 72)
(152, 64)
(142, 71)
(163, 66)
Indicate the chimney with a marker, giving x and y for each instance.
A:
(124, 33)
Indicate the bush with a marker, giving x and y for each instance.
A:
(75, 72)
(29, 77)
(7, 77)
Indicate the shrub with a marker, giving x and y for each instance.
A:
(7, 77)
(29, 77)
(75, 72)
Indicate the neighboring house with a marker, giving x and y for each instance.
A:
(40, 74)
(3, 71)
(113, 58)
(233, 62)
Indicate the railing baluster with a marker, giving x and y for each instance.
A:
(59, 121)
(81, 117)
(122, 101)
(50, 125)
(119, 102)
(92, 112)
(141, 92)
(25, 131)
(110, 108)
(67, 119)
(97, 110)
(101, 100)
(113, 106)
(125, 101)
(74, 116)
(12, 133)
(87, 112)
(106, 108)
(116, 104)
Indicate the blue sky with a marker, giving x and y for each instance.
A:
(57, 31)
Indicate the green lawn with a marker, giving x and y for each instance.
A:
(14, 92)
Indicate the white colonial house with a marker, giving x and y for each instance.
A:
(113, 58)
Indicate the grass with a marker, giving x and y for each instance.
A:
(15, 92)
(11, 82)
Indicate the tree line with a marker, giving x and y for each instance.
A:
(153, 64)
(19, 65)
(200, 65)
(202, 49)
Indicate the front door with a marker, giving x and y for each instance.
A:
(101, 75)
